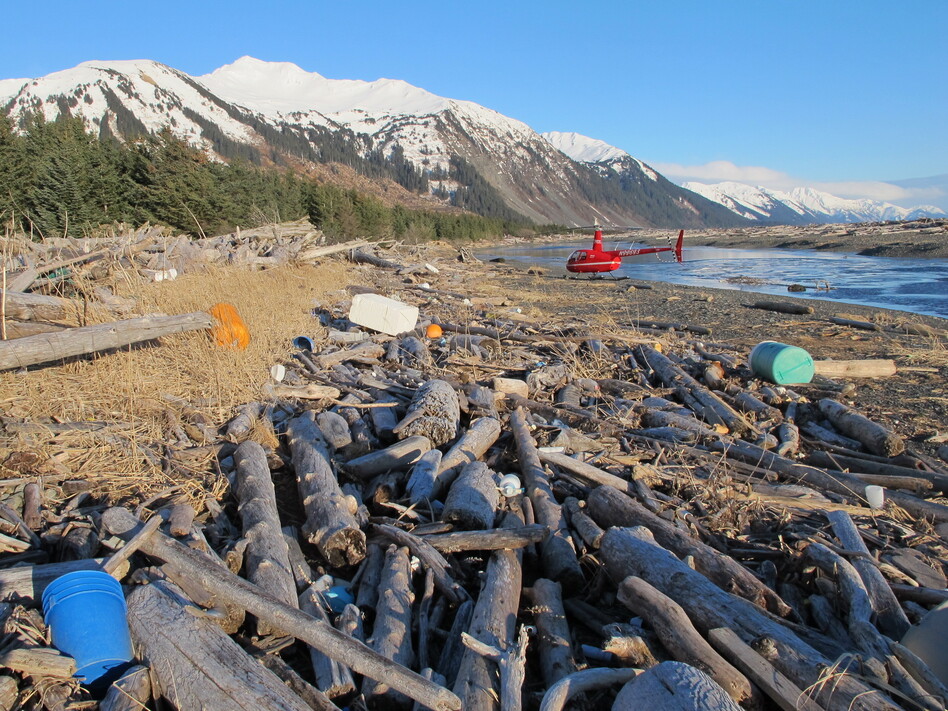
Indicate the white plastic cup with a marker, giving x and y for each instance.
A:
(278, 372)
(875, 495)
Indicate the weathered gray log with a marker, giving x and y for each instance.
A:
(307, 255)
(453, 649)
(361, 257)
(558, 553)
(864, 325)
(587, 471)
(472, 445)
(243, 422)
(848, 486)
(874, 436)
(680, 638)
(181, 515)
(31, 581)
(472, 500)
(195, 664)
(609, 507)
(493, 540)
(38, 661)
(335, 429)
(633, 551)
(302, 573)
(587, 529)
(661, 418)
(511, 662)
(370, 572)
(783, 307)
(673, 686)
(391, 635)
(32, 500)
(39, 307)
(367, 350)
(696, 395)
(784, 692)
(400, 455)
(384, 419)
(235, 590)
(267, 558)
(330, 525)
(311, 696)
(332, 677)
(434, 412)
(789, 436)
(493, 622)
(824, 434)
(553, 635)
(429, 556)
(9, 691)
(48, 347)
(859, 465)
(22, 329)
(131, 692)
(423, 475)
(890, 617)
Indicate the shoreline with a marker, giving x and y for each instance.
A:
(923, 239)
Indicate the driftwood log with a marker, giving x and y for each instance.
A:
(493, 623)
(558, 551)
(472, 500)
(874, 436)
(434, 412)
(195, 664)
(267, 558)
(392, 634)
(330, 525)
(609, 507)
(48, 347)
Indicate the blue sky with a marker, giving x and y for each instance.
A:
(838, 94)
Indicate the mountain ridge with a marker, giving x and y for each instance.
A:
(280, 112)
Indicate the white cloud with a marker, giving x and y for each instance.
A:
(721, 170)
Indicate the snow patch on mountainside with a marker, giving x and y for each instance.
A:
(808, 204)
(582, 148)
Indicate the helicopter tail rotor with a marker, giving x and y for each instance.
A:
(681, 238)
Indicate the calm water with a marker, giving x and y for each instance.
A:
(917, 285)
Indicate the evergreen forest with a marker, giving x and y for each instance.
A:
(57, 178)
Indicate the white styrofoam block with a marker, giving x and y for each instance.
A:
(382, 314)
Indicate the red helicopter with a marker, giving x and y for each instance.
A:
(596, 260)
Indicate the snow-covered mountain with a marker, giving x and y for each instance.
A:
(804, 205)
(277, 112)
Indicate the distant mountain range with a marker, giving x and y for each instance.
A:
(445, 151)
(449, 151)
(802, 206)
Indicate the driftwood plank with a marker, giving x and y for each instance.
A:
(48, 347)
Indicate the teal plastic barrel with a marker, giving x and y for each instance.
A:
(85, 611)
(781, 364)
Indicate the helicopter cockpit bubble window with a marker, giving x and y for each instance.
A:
(577, 256)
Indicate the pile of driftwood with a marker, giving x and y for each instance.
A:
(50, 290)
(676, 533)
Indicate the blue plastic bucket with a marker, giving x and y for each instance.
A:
(85, 611)
(781, 364)
(304, 343)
